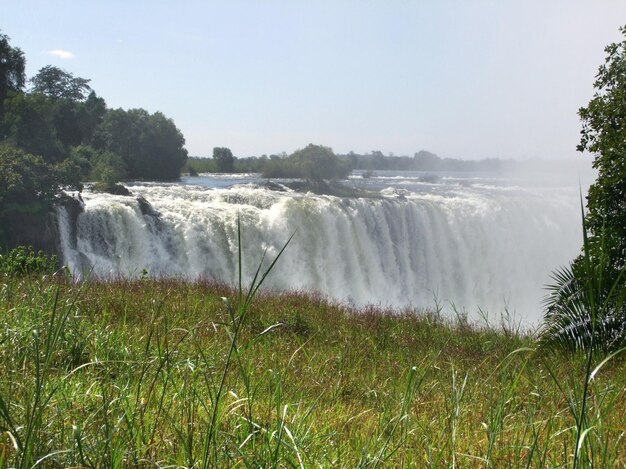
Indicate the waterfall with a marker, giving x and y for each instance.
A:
(484, 247)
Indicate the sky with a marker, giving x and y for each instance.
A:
(464, 79)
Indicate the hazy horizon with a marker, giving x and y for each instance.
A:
(467, 80)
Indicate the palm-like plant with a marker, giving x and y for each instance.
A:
(584, 310)
(586, 304)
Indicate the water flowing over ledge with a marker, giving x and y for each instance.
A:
(471, 246)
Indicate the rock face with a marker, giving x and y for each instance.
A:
(41, 230)
(115, 189)
(37, 230)
(146, 208)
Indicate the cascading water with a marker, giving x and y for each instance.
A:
(470, 245)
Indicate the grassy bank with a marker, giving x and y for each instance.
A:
(145, 374)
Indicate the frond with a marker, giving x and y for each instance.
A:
(571, 306)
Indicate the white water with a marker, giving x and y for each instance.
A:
(474, 242)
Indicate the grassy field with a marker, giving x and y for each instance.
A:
(151, 373)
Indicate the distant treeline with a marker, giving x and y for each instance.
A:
(420, 161)
(335, 166)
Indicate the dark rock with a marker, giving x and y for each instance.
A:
(274, 186)
(115, 189)
(146, 207)
(40, 228)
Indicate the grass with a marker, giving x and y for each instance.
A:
(165, 373)
(585, 312)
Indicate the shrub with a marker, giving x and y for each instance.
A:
(24, 260)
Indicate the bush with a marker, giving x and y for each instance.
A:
(24, 260)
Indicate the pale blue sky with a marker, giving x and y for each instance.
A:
(464, 79)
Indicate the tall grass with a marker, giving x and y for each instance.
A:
(165, 373)
(585, 312)
(237, 316)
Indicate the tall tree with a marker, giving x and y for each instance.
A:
(604, 134)
(30, 122)
(55, 116)
(318, 162)
(12, 73)
(587, 304)
(224, 159)
(150, 145)
(57, 83)
(166, 154)
(91, 115)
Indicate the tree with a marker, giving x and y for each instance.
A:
(12, 72)
(165, 148)
(151, 146)
(12, 68)
(378, 160)
(98, 165)
(313, 162)
(318, 162)
(224, 160)
(27, 180)
(58, 84)
(67, 94)
(604, 134)
(31, 126)
(587, 304)
(28, 187)
(91, 114)
(55, 116)
(426, 161)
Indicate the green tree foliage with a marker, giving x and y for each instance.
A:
(56, 83)
(61, 113)
(55, 116)
(604, 134)
(91, 115)
(423, 161)
(224, 160)
(426, 159)
(28, 184)
(586, 308)
(314, 162)
(99, 165)
(166, 154)
(23, 177)
(150, 145)
(317, 162)
(12, 70)
(28, 178)
(30, 120)
(196, 165)
(76, 110)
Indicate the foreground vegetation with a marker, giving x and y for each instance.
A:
(151, 373)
